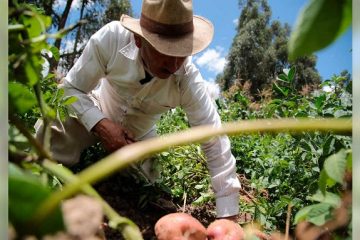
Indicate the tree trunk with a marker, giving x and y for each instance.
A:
(57, 44)
(72, 58)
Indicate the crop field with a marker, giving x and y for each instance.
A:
(291, 139)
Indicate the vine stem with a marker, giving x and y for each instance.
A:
(288, 216)
(35, 143)
(127, 227)
(140, 150)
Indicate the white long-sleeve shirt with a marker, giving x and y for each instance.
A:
(111, 69)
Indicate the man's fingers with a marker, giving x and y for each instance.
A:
(129, 137)
(129, 140)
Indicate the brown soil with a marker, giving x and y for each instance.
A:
(145, 206)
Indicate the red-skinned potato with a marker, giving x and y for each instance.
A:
(179, 226)
(224, 229)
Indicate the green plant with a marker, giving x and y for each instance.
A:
(283, 167)
(332, 16)
(32, 96)
(333, 181)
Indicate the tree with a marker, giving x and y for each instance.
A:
(259, 51)
(92, 14)
(96, 13)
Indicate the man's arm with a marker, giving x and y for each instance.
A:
(221, 163)
(84, 77)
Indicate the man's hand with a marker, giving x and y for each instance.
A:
(112, 135)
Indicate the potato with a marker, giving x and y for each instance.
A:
(224, 229)
(179, 226)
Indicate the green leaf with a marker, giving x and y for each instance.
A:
(55, 52)
(328, 146)
(291, 74)
(46, 20)
(323, 181)
(21, 99)
(335, 166)
(26, 194)
(69, 100)
(302, 214)
(37, 24)
(280, 90)
(319, 213)
(283, 77)
(31, 72)
(347, 16)
(318, 25)
(49, 112)
(320, 101)
(33, 26)
(330, 198)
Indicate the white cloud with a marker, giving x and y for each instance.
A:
(60, 4)
(236, 22)
(212, 59)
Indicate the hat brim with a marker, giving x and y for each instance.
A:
(183, 46)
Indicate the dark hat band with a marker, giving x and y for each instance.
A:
(172, 30)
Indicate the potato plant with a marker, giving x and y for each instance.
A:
(280, 168)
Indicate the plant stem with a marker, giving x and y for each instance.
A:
(288, 215)
(140, 150)
(127, 227)
(35, 143)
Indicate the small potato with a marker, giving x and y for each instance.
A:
(179, 226)
(224, 229)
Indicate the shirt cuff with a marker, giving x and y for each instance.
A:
(91, 117)
(227, 206)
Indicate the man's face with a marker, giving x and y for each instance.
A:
(158, 64)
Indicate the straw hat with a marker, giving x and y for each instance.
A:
(170, 27)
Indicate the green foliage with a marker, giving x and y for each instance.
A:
(282, 168)
(333, 17)
(31, 96)
(259, 52)
(286, 165)
(335, 166)
(21, 99)
(183, 168)
(22, 187)
(334, 169)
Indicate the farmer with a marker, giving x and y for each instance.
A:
(133, 70)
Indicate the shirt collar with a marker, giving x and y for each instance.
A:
(131, 51)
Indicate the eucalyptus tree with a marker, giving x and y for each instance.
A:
(259, 51)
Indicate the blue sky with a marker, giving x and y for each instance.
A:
(224, 13)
